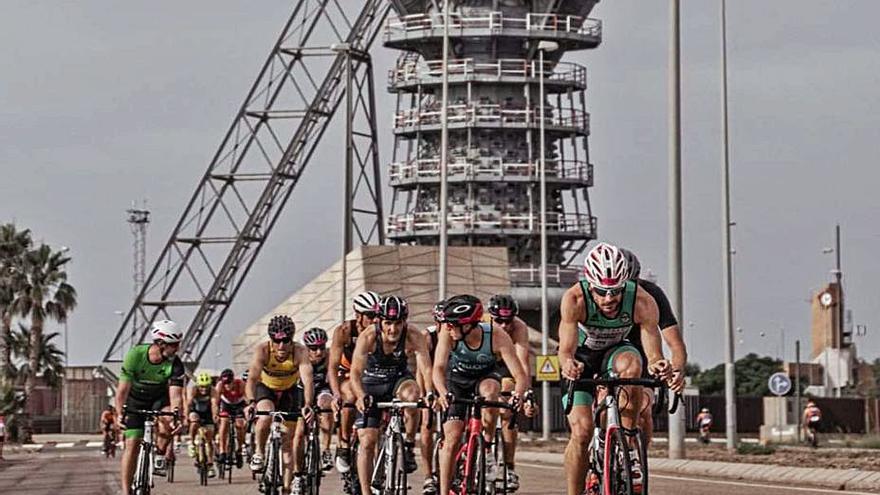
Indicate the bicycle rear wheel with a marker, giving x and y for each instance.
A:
(498, 459)
(398, 466)
(618, 476)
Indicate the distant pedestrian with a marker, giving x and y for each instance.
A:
(2, 434)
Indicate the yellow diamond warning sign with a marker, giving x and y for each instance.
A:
(547, 368)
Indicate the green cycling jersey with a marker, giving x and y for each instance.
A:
(149, 380)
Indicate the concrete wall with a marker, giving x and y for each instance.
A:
(408, 271)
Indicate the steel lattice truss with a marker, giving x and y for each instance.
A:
(257, 166)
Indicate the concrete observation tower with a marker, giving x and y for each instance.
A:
(495, 125)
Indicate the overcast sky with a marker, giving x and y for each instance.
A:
(104, 102)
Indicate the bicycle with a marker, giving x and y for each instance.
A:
(500, 485)
(470, 462)
(609, 456)
(249, 440)
(435, 425)
(109, 448)
(201, 455)
(143, 475)
(170, 461)
(233, 455)
(312, 454)
(812, 433)
(389, 471)
(272, 476)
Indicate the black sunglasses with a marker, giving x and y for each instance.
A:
(502, 321)
(607, 292)
(286, 340)
(316, 347)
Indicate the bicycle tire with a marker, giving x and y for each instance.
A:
(435, 457)
(399, 466)
(142, 475)
(618, 478)
(354, 481)
(312, 463)
(169, 469)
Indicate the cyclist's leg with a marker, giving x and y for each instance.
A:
(265, 398)
(452, 430)
(426, 443)
(368, 437)
(580, 421)
(134, 433)
(209, 440)
(299, 437)
(508, 431)
(407, 390)
(347, 415)
(223, 431)
(194, 423)
(490, 388)
(288, 402)
(625, 360)
(646, 419)
(324, 401)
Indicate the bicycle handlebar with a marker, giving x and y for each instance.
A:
(397, 404)
(149, 412)
(287, 416)
(481, 402)
(618, 382)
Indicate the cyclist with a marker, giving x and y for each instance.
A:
(2, 434)
(229, 401)
(431, 334)
(609, 306)
(379, 373)
(345, 337)
(151, 378)
(671, 334)
(275, 369)
(812, 416)
(201, 402)
(315, 340)
(108, 426)
(466, 367)
(503, 309)
(704, 422)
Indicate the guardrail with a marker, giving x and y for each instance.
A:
(494, 21)
(429, 168)
(571, 223)
(431, 71)
(492, 113)
(556, 275)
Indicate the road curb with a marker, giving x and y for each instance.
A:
(834, 479)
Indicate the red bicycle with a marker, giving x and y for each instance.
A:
(470, 462)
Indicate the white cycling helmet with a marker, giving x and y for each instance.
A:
(366, 302)
(605, 267)
(165, 331)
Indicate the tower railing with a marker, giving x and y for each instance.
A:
(494, 167)
(494, 21)
(431, 71)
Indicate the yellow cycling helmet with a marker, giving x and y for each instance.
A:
(203, 379)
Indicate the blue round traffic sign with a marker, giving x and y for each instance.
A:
(779, 383)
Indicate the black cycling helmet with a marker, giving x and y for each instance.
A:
(110, 407)
(437, 312)
(393, 308)
(315, 337)
(632, 263)
(227, 375)
(281, 327)
(503, 306)
(463, 310)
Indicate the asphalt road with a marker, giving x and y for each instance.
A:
(85, 472)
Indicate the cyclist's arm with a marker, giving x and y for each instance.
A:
(130, 363)
(257, 364)
(647, 315)
(503, 344)
(570, 313)
(301, 355)
(417, 342)
(215, 398)
(677, 349)
(441, 355)
(175, 393)
(521, 343)
(340, 335)
(359, 362)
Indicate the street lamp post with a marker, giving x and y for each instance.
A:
(727, 273)
(544, 46)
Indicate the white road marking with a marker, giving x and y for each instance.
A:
(95, 444)
(65, 445)
(33, 446)
(721, 482)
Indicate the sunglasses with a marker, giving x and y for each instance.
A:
(316, 347)
(285, 340)
(503, 321)
(599, 291)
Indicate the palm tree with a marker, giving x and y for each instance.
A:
(51, 359)
(45, 294)
(13, 244)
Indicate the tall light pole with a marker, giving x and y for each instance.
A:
(676, 421)
(727, 273)
(444, 156)
(544, 46)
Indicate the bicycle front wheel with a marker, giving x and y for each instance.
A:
(498, 459)
(618, 474)
(141, 483)
(476, 478)
(313, 464)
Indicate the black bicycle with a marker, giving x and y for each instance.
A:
(609, 454)
(389, 468)
(312, 455)
(233, 449)
(272, 477)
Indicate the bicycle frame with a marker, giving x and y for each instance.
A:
(142, 482)
(472, 447)
(273, 473)
(390, 455)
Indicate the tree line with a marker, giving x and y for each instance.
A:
(34, 292)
